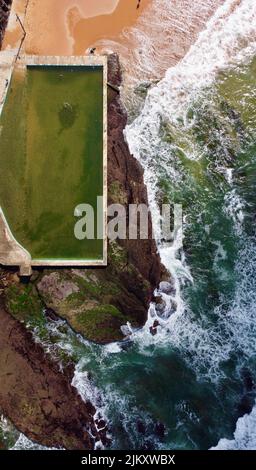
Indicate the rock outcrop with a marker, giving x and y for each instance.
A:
(5, 6)
(36, 396)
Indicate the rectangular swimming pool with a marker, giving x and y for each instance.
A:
(53, 158)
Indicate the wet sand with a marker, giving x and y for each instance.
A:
(103, 27)
(71, 26)
(160, 38)
(148, 39)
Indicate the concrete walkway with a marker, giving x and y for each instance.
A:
(11, 252)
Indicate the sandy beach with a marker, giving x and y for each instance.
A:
(149, 36)
(71, 26)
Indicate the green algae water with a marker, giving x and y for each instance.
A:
(51, 158)
(192, 386)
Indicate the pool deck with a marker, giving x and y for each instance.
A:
(11, 252)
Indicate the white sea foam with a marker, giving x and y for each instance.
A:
(113, 348)
(160, 37)
(206, 345)
(244, 435)
(235, 208)
(85, 387)
(229, 38)
(90, 392)
(23, 443)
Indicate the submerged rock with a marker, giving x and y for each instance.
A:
(153, 328)
(160, 430)
(167, 287)
(248, 381)
(141, 427)
(160, 305)
(245, 404)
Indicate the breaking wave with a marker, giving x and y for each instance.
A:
(164, 133)
(165, 22)
(231, 33)
(244, 435)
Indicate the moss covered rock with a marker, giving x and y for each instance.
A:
(24, 303)
(93, 302)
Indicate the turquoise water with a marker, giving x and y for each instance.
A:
(197, 377)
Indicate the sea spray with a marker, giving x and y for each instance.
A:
(244, 435)
(23, 443)
(170, 101)
(216, 343)
(160, 38)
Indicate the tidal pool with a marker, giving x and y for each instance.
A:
(51, 158)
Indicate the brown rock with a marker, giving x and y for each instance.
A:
(125, 170)
(36, 396)
(153, 328)
(4, 15)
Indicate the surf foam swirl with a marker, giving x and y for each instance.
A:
(244, 435)
(160, 38)
(23, 443)
(228, 40)
(231, 34)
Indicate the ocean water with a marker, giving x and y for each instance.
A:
(193, 385)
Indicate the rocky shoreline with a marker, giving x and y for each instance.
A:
(37, 397)
(35, 394)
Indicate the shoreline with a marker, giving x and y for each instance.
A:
(47, 391)
(58, 19)
(133, 301)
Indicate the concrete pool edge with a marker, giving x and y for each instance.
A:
(27, 263)
(11, 252)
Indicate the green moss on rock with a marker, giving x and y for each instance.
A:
(24, 303)
(101, 324)
(117, 193)
(117, 256)
(94, 285)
